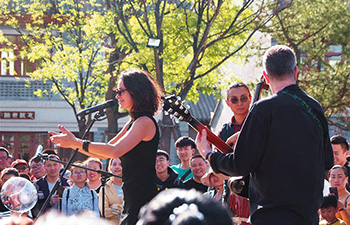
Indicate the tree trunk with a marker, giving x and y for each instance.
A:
(166, 127)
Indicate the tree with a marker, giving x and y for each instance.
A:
(314, 34)
(68, 40)
(196, 38)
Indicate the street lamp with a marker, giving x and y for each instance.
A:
(153, 42)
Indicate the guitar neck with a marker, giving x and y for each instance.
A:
(212, 138)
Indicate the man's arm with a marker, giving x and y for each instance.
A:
(247, 153)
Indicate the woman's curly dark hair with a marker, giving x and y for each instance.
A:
(144, 92)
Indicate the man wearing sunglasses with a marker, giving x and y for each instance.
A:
(21, 165)
(238, 100)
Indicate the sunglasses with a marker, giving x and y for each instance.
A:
(21, 167)
(119, 92)
(235, 100)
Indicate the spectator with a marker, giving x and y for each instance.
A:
(341, 152)
(185, 148)
(94, 179)
(114, 199)
(79, 197)
(166, 177)
(6, 174)
(179, 206)
(338, 178)
(37, 169)
(4, 155)
(328, 210)
(238, 99)
(218, 190)
(21, 165)
(45, 184)
(199, 168)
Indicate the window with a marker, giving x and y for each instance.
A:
(7, 62)
(23, 144)
(11, 62)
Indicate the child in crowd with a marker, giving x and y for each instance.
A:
(328, 210)
(79, 197)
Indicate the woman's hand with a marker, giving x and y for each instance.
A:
(65, 139)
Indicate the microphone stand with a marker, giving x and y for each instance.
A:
(69, 163)
(104, 176)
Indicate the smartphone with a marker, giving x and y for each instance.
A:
(333, 191)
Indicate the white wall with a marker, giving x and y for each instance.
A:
(48, 114)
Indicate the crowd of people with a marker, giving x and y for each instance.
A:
(281, 144)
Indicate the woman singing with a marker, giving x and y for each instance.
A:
(136, 144)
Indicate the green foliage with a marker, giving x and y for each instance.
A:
(197, 38)
(68, 41)
(312, 33)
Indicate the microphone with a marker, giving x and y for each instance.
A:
(37, 156)
(99, 107)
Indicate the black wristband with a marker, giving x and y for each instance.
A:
(207, 156)
(86, 145)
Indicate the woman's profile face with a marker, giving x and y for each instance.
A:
(337, 178)
(124, 97)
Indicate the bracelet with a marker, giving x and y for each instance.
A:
(86, 145)
(207, 156)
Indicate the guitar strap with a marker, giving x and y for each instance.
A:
(308, 109)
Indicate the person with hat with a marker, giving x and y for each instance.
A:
(166, 176)
(21, 165)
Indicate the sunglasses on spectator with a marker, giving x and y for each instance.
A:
(21, 167)
(235, 100)
(119, 92)
(36, 167)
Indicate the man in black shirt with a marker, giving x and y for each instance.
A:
(284, 146)
(166, 177)
(198, 167)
